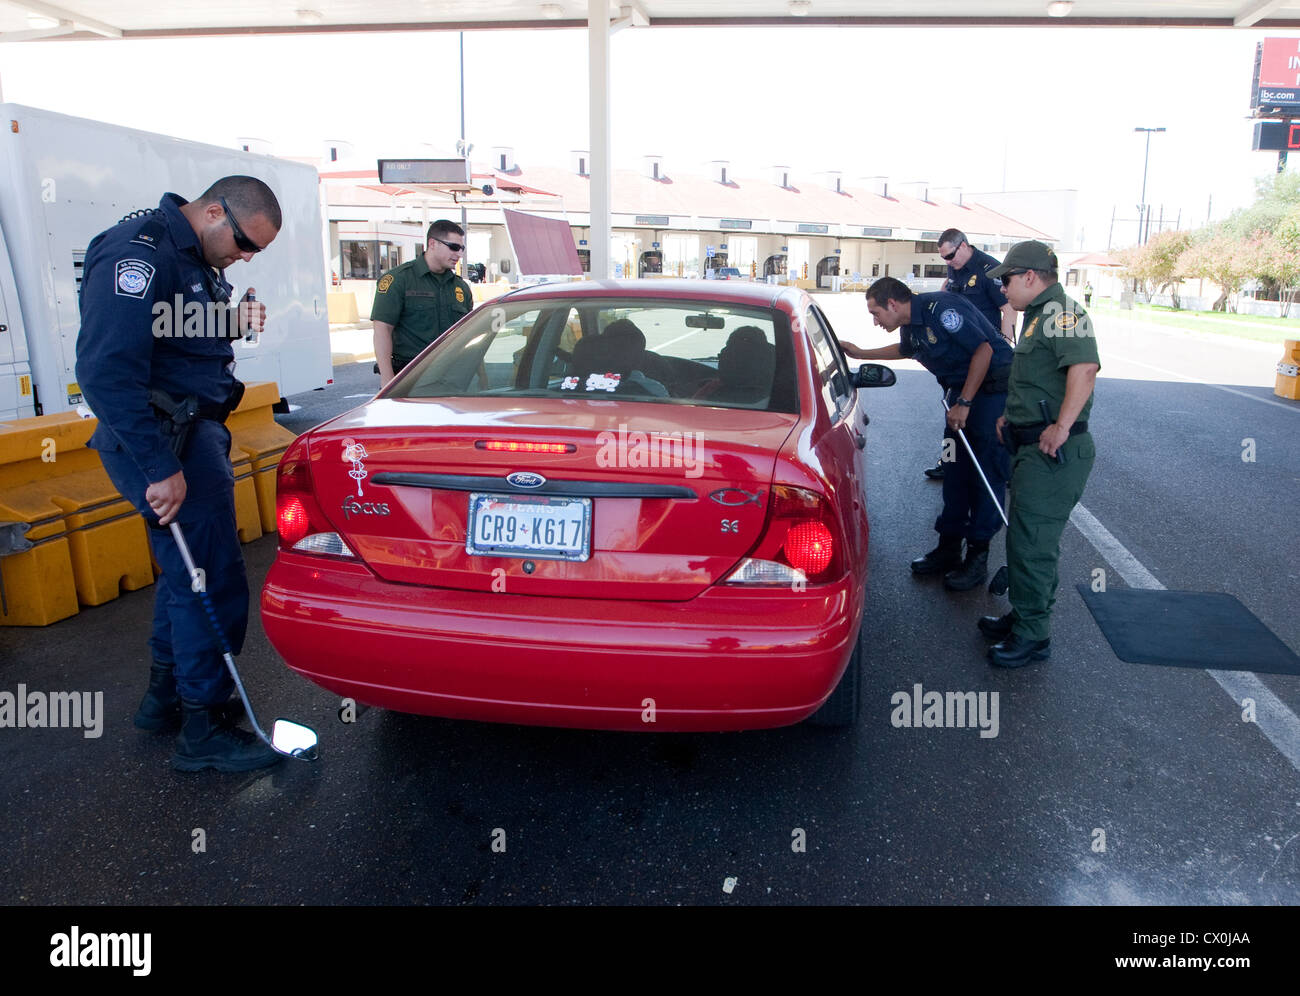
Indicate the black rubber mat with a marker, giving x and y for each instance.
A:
(1187, 629)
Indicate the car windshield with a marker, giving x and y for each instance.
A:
(671, 352)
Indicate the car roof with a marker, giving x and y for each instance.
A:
(738, 292)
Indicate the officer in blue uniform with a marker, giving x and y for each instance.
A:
(971, 361)
(968, 275)
(156, 365)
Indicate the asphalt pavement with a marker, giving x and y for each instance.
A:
(1106, 782)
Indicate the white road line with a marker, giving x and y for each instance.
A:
(1206, 383)
(1272, 716)
(671, 342)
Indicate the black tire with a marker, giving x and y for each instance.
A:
(842, 707)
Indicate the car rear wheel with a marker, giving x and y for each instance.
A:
(841, 709)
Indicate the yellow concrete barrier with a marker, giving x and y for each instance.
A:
(1287, 384)
(39, 585)
(342, 306)
(254, 430)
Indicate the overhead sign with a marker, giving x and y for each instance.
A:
(735, 223)
(437, 171)
(803, 228)
(1276, 82)
(1276, 136)
(657, 220)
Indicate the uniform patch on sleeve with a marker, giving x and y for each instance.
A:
(133, 277)
(951, 319)
(385, 282)
(1066, 321)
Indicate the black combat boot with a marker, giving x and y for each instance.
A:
(997, 627)
(160, 709)
(206, 740)
(974, 570)
(943, 557)
(161, 706)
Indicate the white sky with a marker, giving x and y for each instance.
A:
(910, 104)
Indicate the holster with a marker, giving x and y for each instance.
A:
(178, 417)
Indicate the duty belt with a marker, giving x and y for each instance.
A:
(1025, 435)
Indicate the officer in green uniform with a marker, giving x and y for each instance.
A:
(1046, 426)
(418, 301)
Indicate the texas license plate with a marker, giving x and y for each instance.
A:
(537, 526)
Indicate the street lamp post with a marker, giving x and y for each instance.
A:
(1144, 214)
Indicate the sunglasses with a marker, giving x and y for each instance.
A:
(947, 258)
(453, 246)
(244, 243)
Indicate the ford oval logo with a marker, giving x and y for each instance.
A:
(525, 479)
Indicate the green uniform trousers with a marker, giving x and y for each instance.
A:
(1043, 493)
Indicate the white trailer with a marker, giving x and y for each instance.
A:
(63, 180)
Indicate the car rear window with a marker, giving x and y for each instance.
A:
(670, 352)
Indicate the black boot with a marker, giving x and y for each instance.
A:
(160, 709)
(974, 570)
(997, 627)
(207, 741)
(161, 706)
(943, 557)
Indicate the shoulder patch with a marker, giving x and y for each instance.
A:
(133, 277)
(951, 319)
(1066, 321)
(385, 282)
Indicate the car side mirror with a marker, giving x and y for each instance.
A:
(874, 375)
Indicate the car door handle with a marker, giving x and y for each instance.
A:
(866, 419)
(861, 440)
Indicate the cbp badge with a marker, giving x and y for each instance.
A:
(1030, 330)
(385, 282)
(133, 277)
(932, 337)
(460, 295)
(971, 281)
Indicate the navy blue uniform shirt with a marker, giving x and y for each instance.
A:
(973, 283)
(146, 323)
(943, 335)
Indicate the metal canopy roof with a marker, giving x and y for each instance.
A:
(22, 20)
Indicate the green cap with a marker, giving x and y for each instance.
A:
(1026, 256)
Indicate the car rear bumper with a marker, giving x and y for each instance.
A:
(728, 659)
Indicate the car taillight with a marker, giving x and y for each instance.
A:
(809, 547)
(302, 525)
(800, 542)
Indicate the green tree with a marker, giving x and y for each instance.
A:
(1225, 259)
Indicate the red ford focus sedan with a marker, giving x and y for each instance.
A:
(612, 505)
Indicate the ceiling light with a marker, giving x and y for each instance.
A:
(1060, 8)
(552, 11)
(310, 16)
(799, 8)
